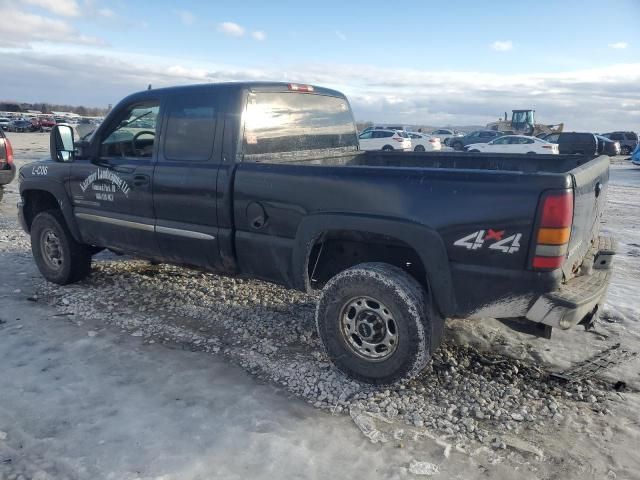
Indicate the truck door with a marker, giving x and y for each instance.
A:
(111, 193)
(184, 190)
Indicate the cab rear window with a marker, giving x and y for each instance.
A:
(289, 126)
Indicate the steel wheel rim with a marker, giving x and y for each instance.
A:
(369, 328)
(51, 249)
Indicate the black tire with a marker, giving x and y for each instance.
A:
(475, 150)
(418, 329)
(625, 150)
(457, 145)
(531, 153)
(387, 148)
(74, 259)
(419, 148)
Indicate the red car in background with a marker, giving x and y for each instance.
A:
(7, 167)
(42, 124)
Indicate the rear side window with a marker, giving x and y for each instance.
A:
(631, 136)
(287, 126)
(191, 127)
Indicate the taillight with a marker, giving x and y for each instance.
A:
(9, 150)
(547, 146)
(433, 140)
(398, 139)
(554, 230)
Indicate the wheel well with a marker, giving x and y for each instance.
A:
(335, 251)
(36, 201)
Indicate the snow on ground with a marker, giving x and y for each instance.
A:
(155, 371)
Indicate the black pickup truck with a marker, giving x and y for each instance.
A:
(266, 180)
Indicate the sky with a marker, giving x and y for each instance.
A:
(426, 62)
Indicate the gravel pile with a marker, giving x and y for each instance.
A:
(463, 395)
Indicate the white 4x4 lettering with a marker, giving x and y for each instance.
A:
(508, 245)
(471, 242)
(477, 240)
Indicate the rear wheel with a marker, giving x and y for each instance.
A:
(387, 148)
(58, 256)
(376, 323)
(419, 148)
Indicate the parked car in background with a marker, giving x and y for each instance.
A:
(4, 123)
(404, 128)
(606, 146)
(46, 123)
(628, 141)
(515, 144)
(384, 140)
(7, 167)
(421, 142)
(20, 126)
(635, 155)
(581, 143)
(445, 135)
(479, 136)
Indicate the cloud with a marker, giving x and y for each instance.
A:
(230, 28)
(601, 99)
(260, 36)
(502, 45)
(106, 13)
(341, 35)
(19, 29)
(619, 45)
(66, 8)
(186, 17)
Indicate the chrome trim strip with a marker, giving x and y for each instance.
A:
(145, 226)
(184, 233)
(116, 221)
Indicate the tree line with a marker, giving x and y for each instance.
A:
(51, 107)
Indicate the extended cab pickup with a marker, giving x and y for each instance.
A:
(267, 180)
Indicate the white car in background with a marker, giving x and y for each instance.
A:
(384, 140)
(4, 123)
(515, 144)
(445, 134)
(421, 142)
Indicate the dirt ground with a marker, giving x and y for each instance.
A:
(157, 372)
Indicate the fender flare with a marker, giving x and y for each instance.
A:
(424, 240)
(57, 190)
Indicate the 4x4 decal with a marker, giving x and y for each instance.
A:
(476, 240)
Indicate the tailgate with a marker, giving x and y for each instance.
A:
(590, 182)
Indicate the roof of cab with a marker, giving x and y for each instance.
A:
(252, 86)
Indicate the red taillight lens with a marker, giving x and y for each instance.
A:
(398, 139)
(9, 150)
(547, 146)
(557, 210)
(433, 140)
(554, 230)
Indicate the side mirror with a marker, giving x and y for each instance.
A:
(61, 143)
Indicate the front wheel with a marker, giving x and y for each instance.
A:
(419, 148)
(387, 148)
(58, 256)
(376, 324)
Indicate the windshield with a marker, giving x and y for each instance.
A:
(522, 118)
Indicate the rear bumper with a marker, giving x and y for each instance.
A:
(7, 175)
(581, 296)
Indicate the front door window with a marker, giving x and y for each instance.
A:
(134, 136)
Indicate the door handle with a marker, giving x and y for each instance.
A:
(140, 180)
